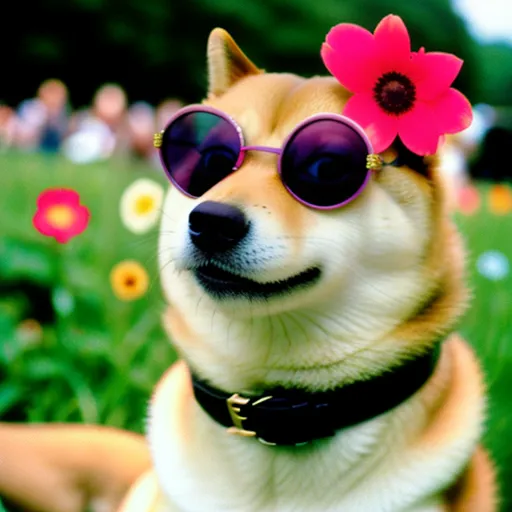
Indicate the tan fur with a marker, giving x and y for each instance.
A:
(394, 285)
(65, 468)
(227, 63)
(476, 490)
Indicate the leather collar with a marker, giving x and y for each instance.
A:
(294, 416)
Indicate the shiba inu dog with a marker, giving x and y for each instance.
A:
(319, 370)
(267, 294)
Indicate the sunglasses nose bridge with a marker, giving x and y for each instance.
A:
(245, 152)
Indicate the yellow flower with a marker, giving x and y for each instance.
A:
(140, 205)
(500, 200)
(129, 280)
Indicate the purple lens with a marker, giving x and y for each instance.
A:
(199, 149)
(324, 163)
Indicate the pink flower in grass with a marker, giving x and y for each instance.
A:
(468, 200)
(60, 215)
(396, 91)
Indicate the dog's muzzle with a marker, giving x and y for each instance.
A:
(216, 227)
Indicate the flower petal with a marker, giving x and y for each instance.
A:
(392, 43)
(54, 196)
(418, 129)
(82, 217)
(349, 54)
(380, 127)
(433, 73)
(453, 112)
(60, 198)
(137, 221)
(41, 224)
(129, 280)
(44, 227)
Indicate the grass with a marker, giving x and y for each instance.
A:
(100, 363)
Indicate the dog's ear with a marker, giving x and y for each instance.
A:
(227, 63)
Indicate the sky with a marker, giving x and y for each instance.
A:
(487, 20)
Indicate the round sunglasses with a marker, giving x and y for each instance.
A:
(324, 163)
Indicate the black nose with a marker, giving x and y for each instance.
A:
(216, 227)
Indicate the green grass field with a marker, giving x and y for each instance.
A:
(101, 360)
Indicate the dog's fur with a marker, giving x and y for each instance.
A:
(391, 285)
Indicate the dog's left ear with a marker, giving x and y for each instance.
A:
(227, 63)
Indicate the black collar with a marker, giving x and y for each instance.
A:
(294, 416)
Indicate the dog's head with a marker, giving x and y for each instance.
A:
(248, 258)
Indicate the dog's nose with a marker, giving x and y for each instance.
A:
(216, 227)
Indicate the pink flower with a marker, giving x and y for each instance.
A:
(396, 91)
(468, 200)
(60, 215)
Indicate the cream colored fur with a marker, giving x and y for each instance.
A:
(390, 286)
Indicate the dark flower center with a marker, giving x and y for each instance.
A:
(394, 93)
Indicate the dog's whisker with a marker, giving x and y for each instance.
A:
(214, 311)
(166, 264)
(165, 214)
(156, 255)
(143, 239)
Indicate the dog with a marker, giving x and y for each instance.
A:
(318, 369)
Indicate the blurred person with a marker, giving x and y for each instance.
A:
(101, 130)
(110, 104)
(453, 164)
(7, 126)
(30, 118)
(42, 121)
(459, 150)
(141, 128)
(165, 110)
(53, 95)
(484, 117)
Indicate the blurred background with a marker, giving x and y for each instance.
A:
(86, 83)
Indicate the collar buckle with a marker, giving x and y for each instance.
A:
(234, 404)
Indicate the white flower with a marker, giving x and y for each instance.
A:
(140, 205)
(493, 264)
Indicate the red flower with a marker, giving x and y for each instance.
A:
(60, 215)
(396, 91)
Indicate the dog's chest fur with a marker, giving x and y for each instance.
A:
(371, 467)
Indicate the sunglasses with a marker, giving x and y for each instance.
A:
(324, 163)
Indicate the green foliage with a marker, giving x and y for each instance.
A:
(156, 48)
(496, 73)
(99, 363)
(488, 328)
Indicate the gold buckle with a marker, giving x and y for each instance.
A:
(374, 162)
(234, 402)
(158, 139)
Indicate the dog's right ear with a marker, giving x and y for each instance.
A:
(227, 63)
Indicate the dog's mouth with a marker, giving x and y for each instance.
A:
(222, 283)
